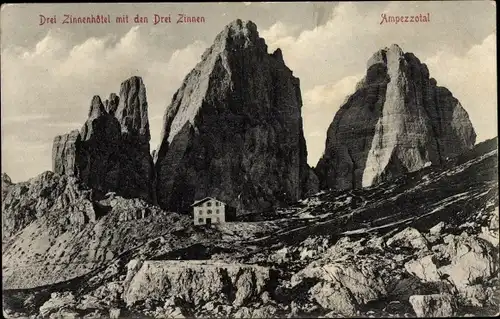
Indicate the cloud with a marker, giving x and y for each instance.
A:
(278, 33)
(22, 165)
(65, 125)
(315, 134)
(472, 78)
(27, 118)
(320, 105)
(324, 54)
(330, 94)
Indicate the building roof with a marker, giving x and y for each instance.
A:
(201, 201)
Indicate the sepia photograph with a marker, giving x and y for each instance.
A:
(250, 160)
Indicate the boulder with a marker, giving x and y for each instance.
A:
(343, 286)
(197, 282)
(471, 261)
(424, 268)
(490, 236)
(66, 314)
(114, 313)
(494, 221)
(57, 301)
(491, 232)
(267, 311)
(408, 238)
(234, 129)
(332, 296)
(282, 255)
(396, 121)
(436, 305)
(437, 229)
(475, 295)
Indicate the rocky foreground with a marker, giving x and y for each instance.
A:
(423, 245)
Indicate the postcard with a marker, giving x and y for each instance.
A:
(249, 160)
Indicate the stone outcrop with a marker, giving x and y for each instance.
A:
(196, 282)
(436, 305)
(234, 129)
(470, 261)
(65, 235)
(342, 285)
(132, 110)
(6, 184)
(64, 153)
(25, 202)
(398, 120)
(111, 151)
(57, 302)
(408, 238)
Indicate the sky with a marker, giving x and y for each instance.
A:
(50, 72)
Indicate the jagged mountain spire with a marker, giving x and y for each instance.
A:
(111, 151)
(234, 129)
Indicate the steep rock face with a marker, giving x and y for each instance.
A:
(234, 129)
(98, 153)
(111, 151)
(64, 153)
(398, 120)
(132, 110)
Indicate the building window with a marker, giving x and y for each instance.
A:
(217, 203)
(209, 204)
(217, 219)
(200, 211)
(200, 220)
(209, 211)
(216, 211)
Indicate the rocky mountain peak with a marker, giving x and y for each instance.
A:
(112, 103)
(132, 110)
(398, 120)
(100, 125)
(234, 129)
(278, 55)
(237, 36)
(238, 30)
(111, 151)
(96, 107)
(394, 49)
